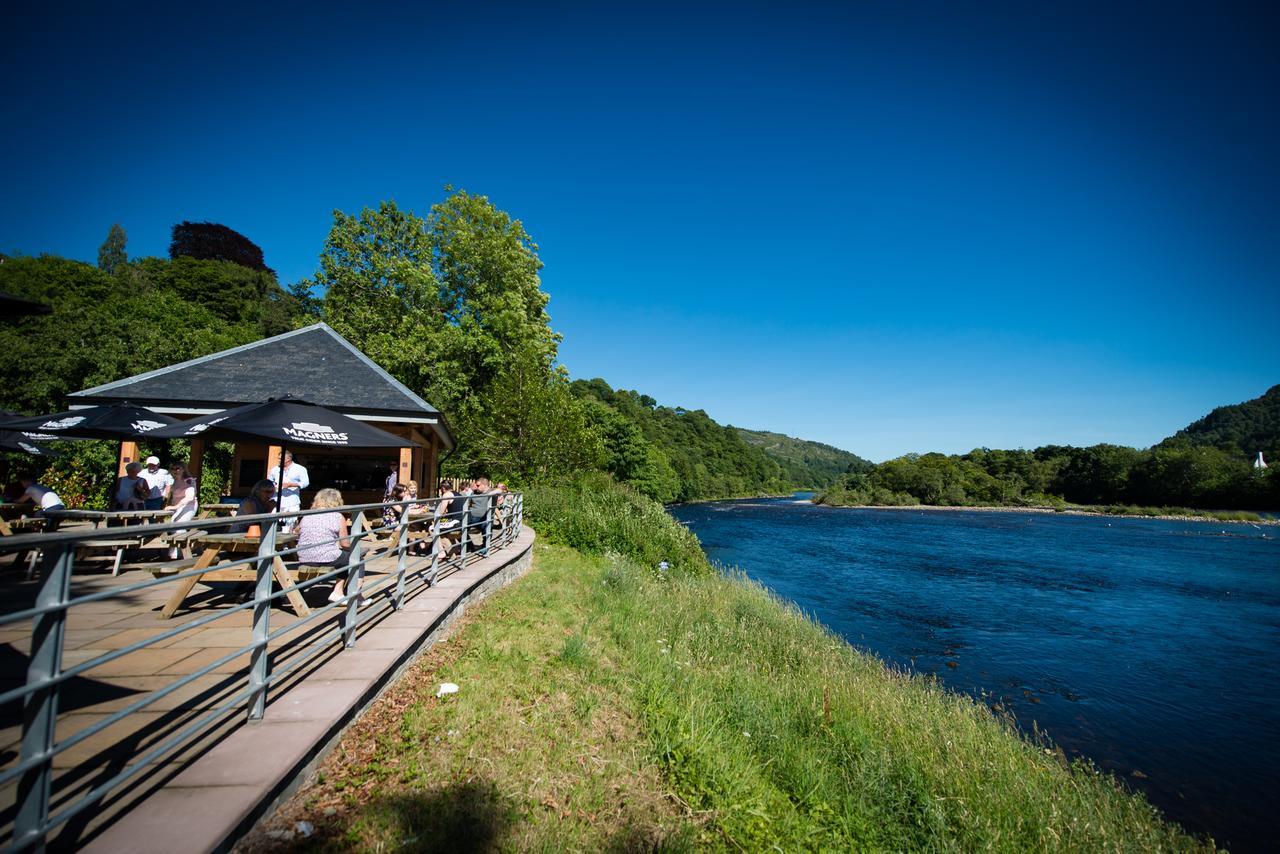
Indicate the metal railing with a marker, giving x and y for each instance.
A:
(495, 524)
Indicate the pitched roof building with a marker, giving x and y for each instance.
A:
(316, 364)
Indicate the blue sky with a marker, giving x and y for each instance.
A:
(891, 228)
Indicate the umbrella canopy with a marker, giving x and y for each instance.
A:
(287, 421)
(15, 440)
(112, 421)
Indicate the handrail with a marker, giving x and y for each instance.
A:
(496, 525)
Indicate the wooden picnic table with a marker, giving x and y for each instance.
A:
(22, 524)
(119, 540)
(209, 511)
(98, 517)
(212, 546)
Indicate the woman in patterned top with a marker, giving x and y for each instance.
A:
(322, 538)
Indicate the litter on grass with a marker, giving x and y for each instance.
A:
(446, 688)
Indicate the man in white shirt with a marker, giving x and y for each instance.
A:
(158, 481)
(295, 480)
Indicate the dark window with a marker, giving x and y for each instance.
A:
(348, 472)
(252, 471)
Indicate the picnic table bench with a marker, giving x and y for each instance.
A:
(237, 546)
(117, 544)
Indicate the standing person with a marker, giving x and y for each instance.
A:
(159, 484)
(184, 499)
(41, 497)
(296, 479)
(393, 477)
(322, 538)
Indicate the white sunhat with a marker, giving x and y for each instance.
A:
(153, 461)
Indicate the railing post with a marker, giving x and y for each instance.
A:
(465, 532)
(402, 540)
(355, 574)
(259, 659)
(488, 525)
(434, 530)
(40, 714)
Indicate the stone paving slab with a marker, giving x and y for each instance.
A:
(214, 788)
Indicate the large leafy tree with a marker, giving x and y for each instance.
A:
(380, 292)
(450, 305)
(211, 241)
(112, 258)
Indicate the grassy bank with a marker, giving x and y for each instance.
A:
(606, 705)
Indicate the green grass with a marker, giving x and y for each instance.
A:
(604, 706)
(1135, 510)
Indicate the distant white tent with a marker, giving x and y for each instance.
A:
(1259, 463)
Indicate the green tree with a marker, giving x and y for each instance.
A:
(528, 427)
(112, 258)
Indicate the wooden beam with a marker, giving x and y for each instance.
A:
(273, 463)
(196, 462)
(128, 454)
(405, 472)
(431, 488)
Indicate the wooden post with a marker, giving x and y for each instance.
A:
(431, 486)
(405, 473)
(128, 454)
(197, 458)
(273, 464)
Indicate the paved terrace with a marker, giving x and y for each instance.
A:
(210, 792)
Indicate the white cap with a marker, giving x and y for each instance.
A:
(153, 461)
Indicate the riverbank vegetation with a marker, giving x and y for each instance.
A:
(607, 705)
(1164, 480)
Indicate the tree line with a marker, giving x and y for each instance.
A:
(1177, 473)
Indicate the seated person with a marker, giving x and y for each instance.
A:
(262, 499)
(322, 538)
(42, 498)
(391, 515)
(481, 500)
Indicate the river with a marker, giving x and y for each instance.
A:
(1151, 647)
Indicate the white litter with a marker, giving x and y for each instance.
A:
(446, 688)
(304, 828)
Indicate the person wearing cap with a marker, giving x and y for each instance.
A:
(159, 483)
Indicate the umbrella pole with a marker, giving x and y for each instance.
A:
(280, 494)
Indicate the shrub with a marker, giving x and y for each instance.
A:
(594, 514)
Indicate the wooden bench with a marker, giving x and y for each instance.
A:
(119, 545)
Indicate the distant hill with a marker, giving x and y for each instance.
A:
(677, 454)
(806, 463)
(1242, 428)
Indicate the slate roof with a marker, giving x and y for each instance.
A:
(314, 363)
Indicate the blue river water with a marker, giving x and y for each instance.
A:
(1151, 647)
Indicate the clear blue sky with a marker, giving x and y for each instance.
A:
(891, 228)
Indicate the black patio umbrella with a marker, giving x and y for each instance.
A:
(111, 421)
(289, 421)
(16, 440)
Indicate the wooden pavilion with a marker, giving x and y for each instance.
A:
(316, 364)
